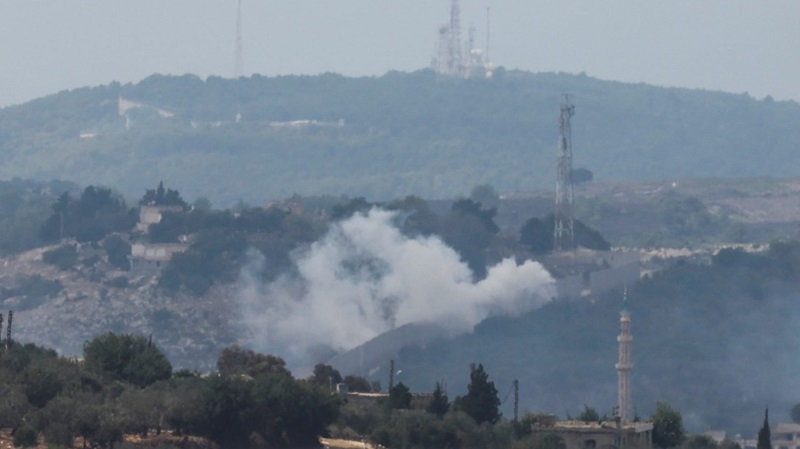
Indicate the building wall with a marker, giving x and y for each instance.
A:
(580, 435)
(786, 436)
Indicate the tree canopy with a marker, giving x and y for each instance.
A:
(668, 428)
(481, 401)
(126, 357)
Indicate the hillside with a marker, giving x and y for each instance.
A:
(62, 309)
(259, 138)
(714, 336)
(716, 341)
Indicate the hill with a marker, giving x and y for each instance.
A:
(309, 277)
(262, 138)
(716, 340)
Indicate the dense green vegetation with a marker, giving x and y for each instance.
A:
(403, 133)
(125, 385)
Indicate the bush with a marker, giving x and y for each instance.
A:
(25, 437)
(64, 257)
(35, 289)
(118, 282)
(118, 251)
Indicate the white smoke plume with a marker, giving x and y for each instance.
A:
(365, 278)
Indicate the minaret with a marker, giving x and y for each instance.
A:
(625, 364)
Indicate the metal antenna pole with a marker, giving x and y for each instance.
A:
(516, 400)
(239, 62)
(488, 34)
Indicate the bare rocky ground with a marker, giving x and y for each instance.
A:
(189, 329)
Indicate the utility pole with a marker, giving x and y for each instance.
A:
(8, 329)
(516, 400)
(391, 374)
(564, 236)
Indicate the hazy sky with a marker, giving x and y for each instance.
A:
(731, 45)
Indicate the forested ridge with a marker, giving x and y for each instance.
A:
(402, 133)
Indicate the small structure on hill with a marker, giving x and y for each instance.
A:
(152, 214)
(786, 436)
(602, 435)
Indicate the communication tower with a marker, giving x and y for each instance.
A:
(238, 67)
(488, 66)
(488, 33)
(455, 62)
(439, 64)
(564, 236)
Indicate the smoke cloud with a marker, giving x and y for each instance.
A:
(365, 278)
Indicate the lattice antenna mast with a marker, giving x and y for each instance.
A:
(238, 67)
(488, 34)
(455, 62)
(564, 236)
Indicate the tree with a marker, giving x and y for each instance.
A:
(668, 428)
(417, 216)
(470, 229)
(764, 440)
(325, 376)
(537, 235)
(485, 194)
(162, 197)
(588, 414)
(795, 414)
(357, 383)
(235, 360)
(399, 397)
(481, 401)
(25, 437)
(126, 357)
(582, 175)
(439, 404)
(118, 251)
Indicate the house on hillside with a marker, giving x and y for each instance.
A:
(786, 436)
(603, 435)
(152, 214)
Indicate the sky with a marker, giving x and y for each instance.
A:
(730, 45)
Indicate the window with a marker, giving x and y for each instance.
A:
(590, 444)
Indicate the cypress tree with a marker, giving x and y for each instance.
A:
(764, 441)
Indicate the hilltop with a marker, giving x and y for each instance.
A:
(259, 138)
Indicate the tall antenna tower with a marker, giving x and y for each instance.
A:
(454, 56)
(440, 61)
(564, 236)
(488, 34)
(238, 67)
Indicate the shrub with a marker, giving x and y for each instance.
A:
(64, 257)
(25, 437)
(118, 251)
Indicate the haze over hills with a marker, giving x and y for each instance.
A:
(262, 138)
(698, 327)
